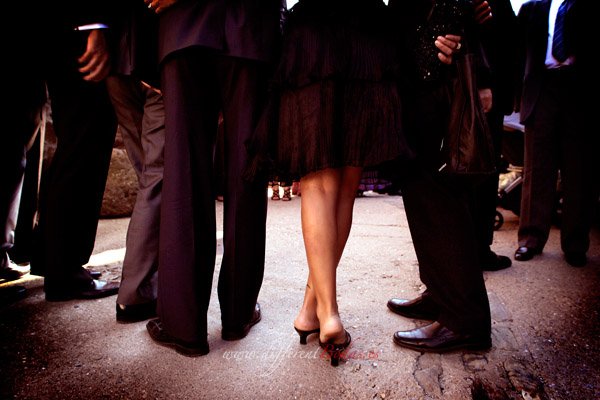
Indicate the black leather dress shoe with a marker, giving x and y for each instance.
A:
(12, 274)
(419, 308)
(95, 274)
(576, 259)
(436, 338)
(11, 294)
(493, 262)
(237, 334)
(158, 334)
(135, 312)
(525, 253)
(95, 290)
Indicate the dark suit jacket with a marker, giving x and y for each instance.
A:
(51, 26)
(533, 21)
(498, 38)
(238, 28)
(136, 40)
(61, 18)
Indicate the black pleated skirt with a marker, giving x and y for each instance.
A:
(334, 98)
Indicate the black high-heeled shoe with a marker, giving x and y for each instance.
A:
(335, 350)
(304, 334)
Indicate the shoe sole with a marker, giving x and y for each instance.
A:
(184, 351)
(577, 265)
(136, 313)
(521, 257)
(494, 268)
(180, 349)
(577, 262)
(12, 276)
(131, 320)
(524, 259)
(453, 348)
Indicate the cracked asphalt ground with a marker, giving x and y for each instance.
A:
(546, 330)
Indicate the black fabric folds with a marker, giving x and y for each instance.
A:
(334, 99)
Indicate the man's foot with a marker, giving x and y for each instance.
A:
(576, 259)
(237, 334)
(436, 338)
(158, 334)
(95, 274)
(525, 253)
(12, 274)
(135, 312)
(11, 294)
(493, 262)
(419, 308)
(94, 290)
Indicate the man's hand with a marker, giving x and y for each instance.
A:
(448, 45)
(159, 5)
(485, 95)
(95, 62)
(483, 11)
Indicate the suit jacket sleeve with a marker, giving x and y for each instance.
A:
(247, 29)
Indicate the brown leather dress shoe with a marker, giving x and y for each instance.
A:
(237, 334)
(525, 253)
(135, 312)
(493, 262)
(158, 334)
(419, 308)
(94, 290)
(436, 338)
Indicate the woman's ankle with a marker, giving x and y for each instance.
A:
(332, 329)
(305, 321)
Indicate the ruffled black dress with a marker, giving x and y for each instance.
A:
(334, 96)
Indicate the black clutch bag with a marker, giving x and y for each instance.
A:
(467, 150)
(445, 17)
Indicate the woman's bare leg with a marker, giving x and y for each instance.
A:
(326, 223)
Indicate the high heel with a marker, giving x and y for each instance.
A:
(275, 195)
(335, 350)
(304, 334)
(287, 194)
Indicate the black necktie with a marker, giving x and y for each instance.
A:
(560, 49)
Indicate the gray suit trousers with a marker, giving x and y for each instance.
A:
(140, 113)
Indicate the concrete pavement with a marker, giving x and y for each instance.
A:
(546, 329)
